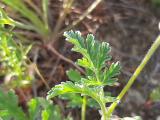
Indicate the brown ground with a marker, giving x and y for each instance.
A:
(130, 26)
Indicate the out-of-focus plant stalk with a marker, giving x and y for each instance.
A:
(149, 54)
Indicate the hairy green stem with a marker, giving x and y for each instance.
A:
(103, 110)
(83, 111)
(145, 60)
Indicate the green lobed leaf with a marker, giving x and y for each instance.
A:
(95, 54)
(41, 108)
(109, 99)
(73, 75)
(34, 109)
(74, 100)
(70, 87)
(91, 81)
(38, 108)
(9, 106)
(92, 103)
(98, 74)
(109, 76)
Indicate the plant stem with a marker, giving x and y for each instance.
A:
(145, 60)
(103, 109)
(83, 111)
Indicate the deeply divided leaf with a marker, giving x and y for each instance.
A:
(95, 54)
(70, 87)
(98, 73)
(74, 75)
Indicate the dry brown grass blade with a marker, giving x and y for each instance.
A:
(40, 75)
(85, 14)
(67, 4)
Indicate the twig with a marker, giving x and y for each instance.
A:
(21, 92)
(86, 13)
(53, 50)
(55, 66)
(39, 74)
(54, 69)
(34, 86)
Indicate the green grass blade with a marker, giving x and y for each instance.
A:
(20, 6)
(45, 12)
(5, 19)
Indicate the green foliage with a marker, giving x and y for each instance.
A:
(4, 19)
(70, 87)
(156, 2)
(74, 75)
(13, 57)
(155, 95)
(38, 108)
(95, 56)
(89, 49)
(9, 108)
(76, 100)
(36, 23)
(41, 108)
(98, 73)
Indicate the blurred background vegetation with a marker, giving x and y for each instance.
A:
(38, 53)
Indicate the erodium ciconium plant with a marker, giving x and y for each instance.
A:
(98, 74)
